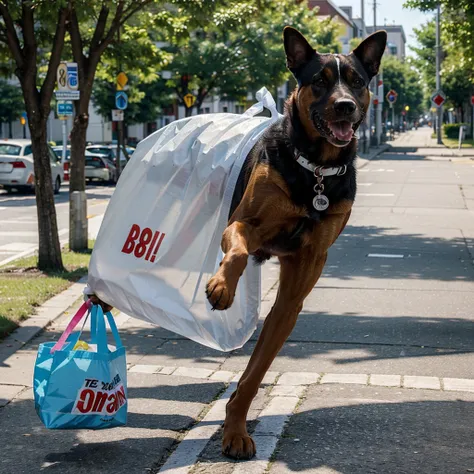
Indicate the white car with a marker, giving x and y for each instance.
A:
(16, 166)
(100, 168)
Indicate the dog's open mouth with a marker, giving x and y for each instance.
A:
(338, 132)
(341, 130)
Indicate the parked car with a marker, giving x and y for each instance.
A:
(110, 152)
(59, 153)
(16, 166)
(100, 168)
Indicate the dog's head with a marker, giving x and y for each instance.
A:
(333, 94)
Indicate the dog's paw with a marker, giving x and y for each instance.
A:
(238, 446)
(218, 293)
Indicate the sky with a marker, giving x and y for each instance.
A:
(388, 12)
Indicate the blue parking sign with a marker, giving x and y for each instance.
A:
(121, 100)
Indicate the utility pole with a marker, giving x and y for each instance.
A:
(438, 77)
(377, 107)
(362, 15)
(119, 123)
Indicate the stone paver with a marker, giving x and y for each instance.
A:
(193, 372)
(385, 380)
(464, 385)
(8, 393)
(146, 369)
(298, 378)
(222, 376)
(417, 381)
(345, 378)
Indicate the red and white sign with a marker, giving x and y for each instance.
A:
(392, 96)
(438, 98)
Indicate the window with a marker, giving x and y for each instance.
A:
(52, 156)
(28, 150)
(95, 162)
(225, 109)
(12, 150)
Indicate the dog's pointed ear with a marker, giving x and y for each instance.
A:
(298, 50)
(370, 52)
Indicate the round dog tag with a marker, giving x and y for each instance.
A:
(320, 202)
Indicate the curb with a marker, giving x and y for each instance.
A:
(371, 156)
(44, 316)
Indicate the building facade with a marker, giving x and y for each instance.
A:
(396, 39)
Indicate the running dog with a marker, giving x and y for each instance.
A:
(293, 199)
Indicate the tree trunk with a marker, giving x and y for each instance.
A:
(10, 132)
(49, 255)
(78, 232)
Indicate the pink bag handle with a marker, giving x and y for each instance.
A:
(71, 326)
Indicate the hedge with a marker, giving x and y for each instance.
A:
(451, 130)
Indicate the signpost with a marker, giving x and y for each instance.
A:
(117, 115)
(121, 100)
(189, 100)
(121, 103)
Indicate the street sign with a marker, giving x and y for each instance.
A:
(122, 80)
(121, 100)
(65, 108)
(67, 95)
(189, 100)
(438, 98)
(61, 76)
(392, 96)
(376, 101)
(72, 77)
(117, 115)
(472, 99)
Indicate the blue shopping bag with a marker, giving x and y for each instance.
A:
(82, 388)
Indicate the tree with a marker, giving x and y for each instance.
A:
(88, 44)
(457, 77)
(242, 52)
(404, 79)
(457, 23)
(11, 104)
(25, 26)
(146, 100)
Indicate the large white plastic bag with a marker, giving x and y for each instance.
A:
(179, 184)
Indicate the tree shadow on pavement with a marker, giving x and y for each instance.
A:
(360, 435)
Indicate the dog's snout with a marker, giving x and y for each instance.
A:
(344, 106)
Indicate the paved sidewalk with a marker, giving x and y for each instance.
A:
(377, 376)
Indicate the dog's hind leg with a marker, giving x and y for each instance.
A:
(298, 275)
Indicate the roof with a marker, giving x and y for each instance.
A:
(388, 29)
(328, 8)
(16, 141)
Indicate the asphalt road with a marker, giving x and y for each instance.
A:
(19, 223)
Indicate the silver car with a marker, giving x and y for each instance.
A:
(16, 166)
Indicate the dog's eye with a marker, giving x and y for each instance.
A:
(319, 82)
(358, 82)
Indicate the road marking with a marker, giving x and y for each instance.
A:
(17, 247)
(183, 459)
(19, 233)
(386, 255)
(375, 194)
(18, 221)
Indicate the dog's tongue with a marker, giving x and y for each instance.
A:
(341, 130)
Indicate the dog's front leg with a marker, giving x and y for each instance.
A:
(238, 240)
(298, 275)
